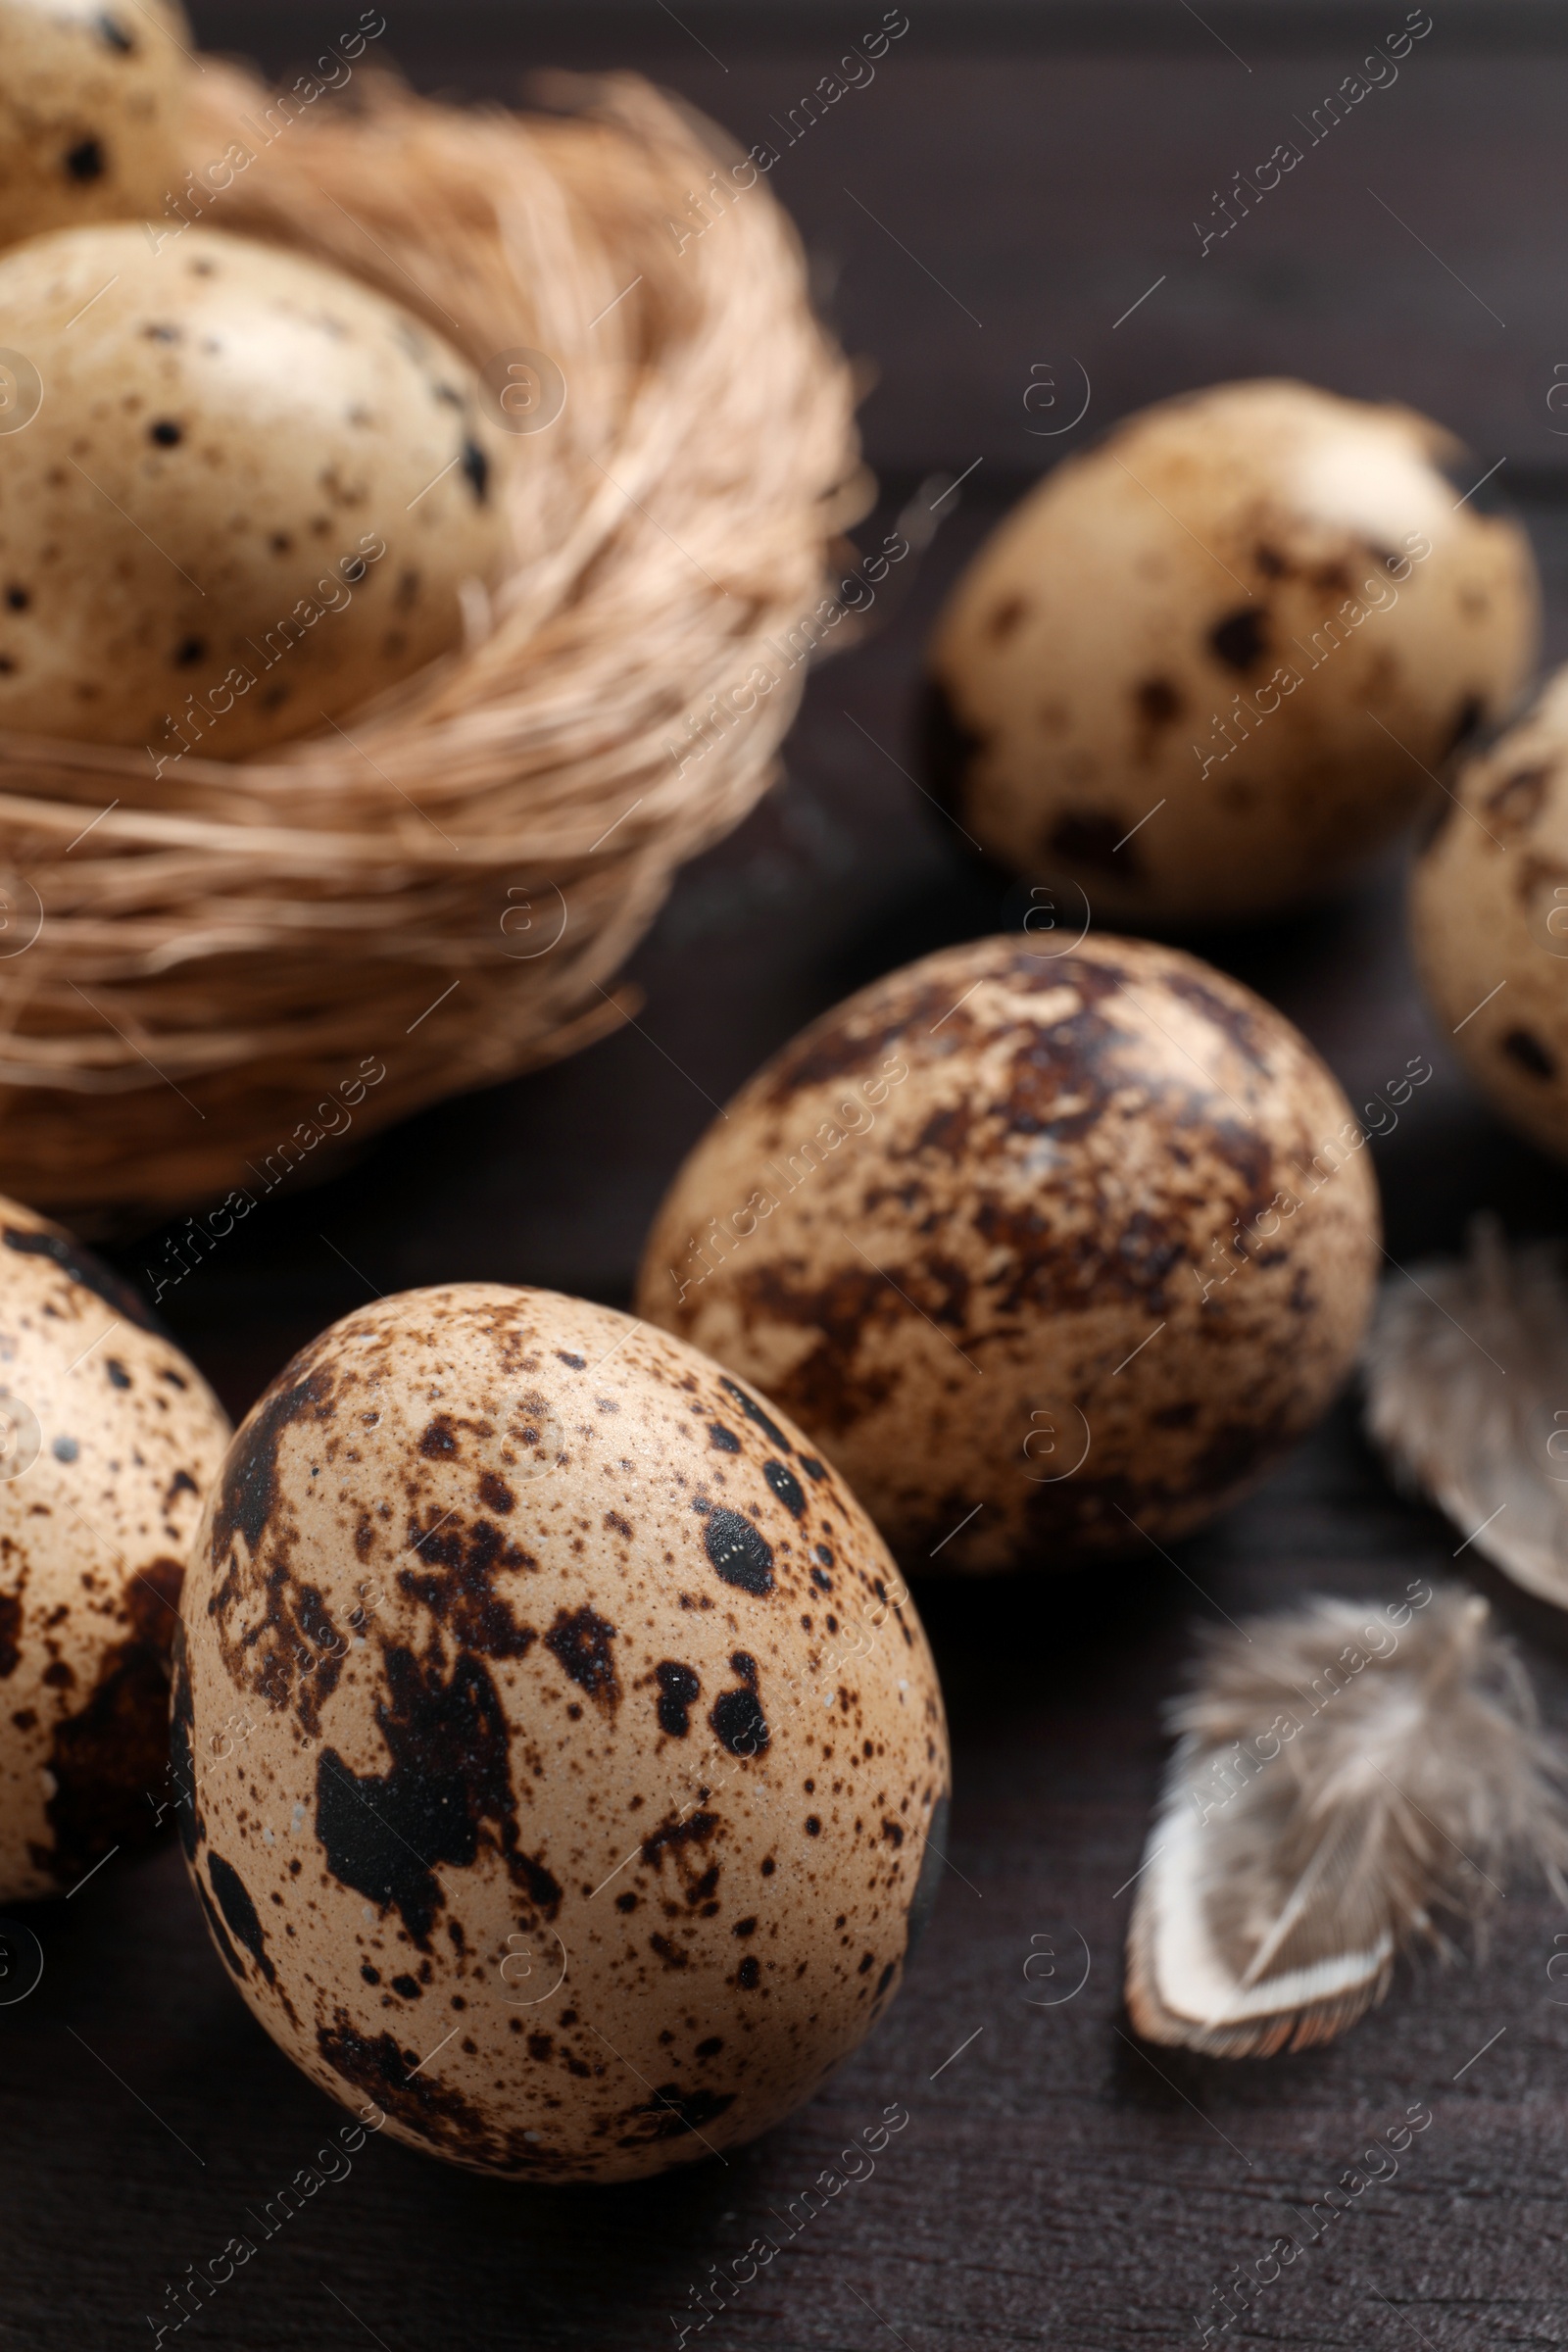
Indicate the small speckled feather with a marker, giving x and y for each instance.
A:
(1338, 1782)
(1466, 1370)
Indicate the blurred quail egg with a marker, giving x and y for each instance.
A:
(1204, 670)
(584, 1823)
(1053, 1253)
(92, 106)
(248, 496)
(1489, 918)
(108, 1440)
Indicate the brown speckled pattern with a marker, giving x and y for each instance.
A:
(1146, 609)
(114, 1439)
(592, 1750)
(1489, 920)
(250, 496)
(92, 106)
(964, 1226)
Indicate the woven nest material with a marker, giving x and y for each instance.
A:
(188, 988)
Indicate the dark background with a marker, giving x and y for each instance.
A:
(1055, 2185)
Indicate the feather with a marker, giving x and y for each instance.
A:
(1467, 1394)
(1342, 1774)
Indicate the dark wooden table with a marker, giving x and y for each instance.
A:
(1034, 170)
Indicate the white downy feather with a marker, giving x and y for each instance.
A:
(1343, 1775)
(1467, 1394)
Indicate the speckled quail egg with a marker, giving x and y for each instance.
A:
(1050, 1252)
(92, 108)
(247, 495)
(591, 1750)
(1488, 919)
(1204, 668)
(108, 1441)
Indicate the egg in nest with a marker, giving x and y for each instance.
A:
(92, 112)
(589, 1752)
(108, 1441)
(241, 493)
(1204, 669)
(1053, 1253)
(1489, 921)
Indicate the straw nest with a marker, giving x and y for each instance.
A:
(198, 969)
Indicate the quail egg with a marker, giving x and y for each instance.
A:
(1489, 918)
(1206, 667)
(1052, 1253)
(92, 105)
(583, 1818)
(247, 495)
(108, 1441)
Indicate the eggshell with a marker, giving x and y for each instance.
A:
(1489, 921)
(247, 499)
(577, 1811)
(1204, 669)
(108, 1441)
(1053, 1253)
(92, 109)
